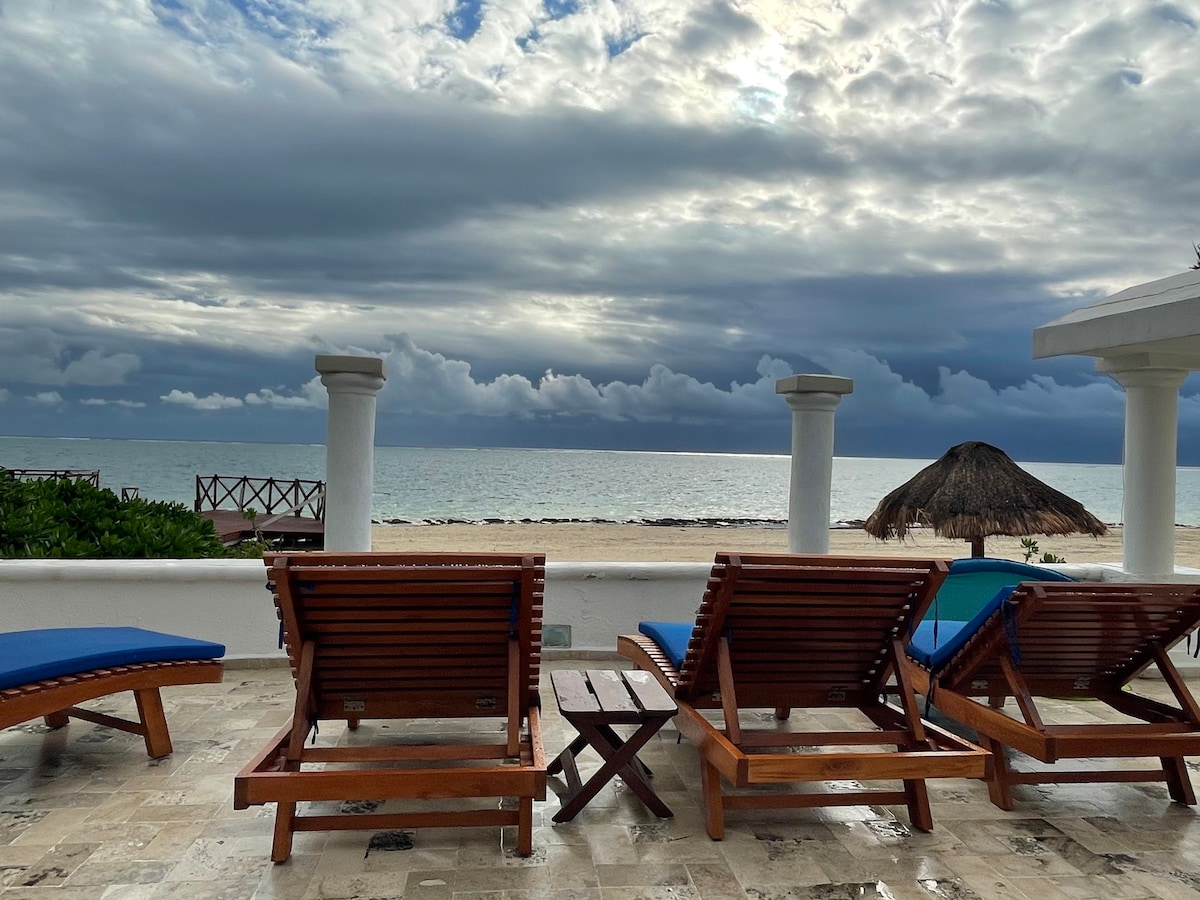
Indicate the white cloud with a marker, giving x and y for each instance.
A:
(47, 398)
(212, 401)
(881, 393)
(311, 396)
(423, 381)
(127, 404)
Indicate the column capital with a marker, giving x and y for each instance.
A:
(1149, 377)
(814, 392)
(358, 365)
(1165, 370)
(814, 384)
(352, 374)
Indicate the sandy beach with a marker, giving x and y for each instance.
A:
(645, 543)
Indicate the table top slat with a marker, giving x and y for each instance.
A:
(649, 693)
(571, 692)
(610, 690)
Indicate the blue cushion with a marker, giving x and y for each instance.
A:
(972, 582)
(673, 637)
(29, 656)
(935, 651)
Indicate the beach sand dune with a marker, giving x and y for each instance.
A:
(647, 543)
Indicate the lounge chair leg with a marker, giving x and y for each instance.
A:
(997, 699)
(352, 723)
(918, 804)
(714, 809)
(1179, 783)
(782, 712)
(57, 719)
(154, 722)
(999, 785)
(281, 847)
(525, 827)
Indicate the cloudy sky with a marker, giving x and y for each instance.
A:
(587, 223)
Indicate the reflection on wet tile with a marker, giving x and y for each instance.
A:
(84, 815)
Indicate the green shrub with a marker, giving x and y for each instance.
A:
(73, 519)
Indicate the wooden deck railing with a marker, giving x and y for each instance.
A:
(267, 496)
(91, 476)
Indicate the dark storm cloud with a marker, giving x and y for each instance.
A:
(196, 197)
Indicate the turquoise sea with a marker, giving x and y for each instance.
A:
(439, 485)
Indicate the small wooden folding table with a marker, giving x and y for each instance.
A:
(593, 701)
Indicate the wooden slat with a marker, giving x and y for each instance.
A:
(648, 693)
(57, 695)
(812, 632)
(610, 691)
(411, 636)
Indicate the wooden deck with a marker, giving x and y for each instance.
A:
(289, 513)
(293, 532)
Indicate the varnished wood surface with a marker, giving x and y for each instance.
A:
(1078, 640)
(56, 699)
(231, 526)
(406, 636)
(808, 632)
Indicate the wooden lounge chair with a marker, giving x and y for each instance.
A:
(46, 672)
(406, 636)
(1075, 641)
(812, 632)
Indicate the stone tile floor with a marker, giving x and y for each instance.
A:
(85, 815)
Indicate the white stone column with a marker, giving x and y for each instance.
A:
(352, 382)
(1151, 441)
(813, 399)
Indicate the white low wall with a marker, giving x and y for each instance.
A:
(227, 600)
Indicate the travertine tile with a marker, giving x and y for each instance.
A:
(84, 815)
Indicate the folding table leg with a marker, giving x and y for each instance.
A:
(574, 749)
(618, 755)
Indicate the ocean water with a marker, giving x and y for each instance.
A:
(438, 485)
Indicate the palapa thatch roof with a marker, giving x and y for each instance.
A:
(973, 491)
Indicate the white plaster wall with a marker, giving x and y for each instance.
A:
(217, 600)
(227, 600)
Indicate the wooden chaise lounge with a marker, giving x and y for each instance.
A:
(47, 672)
(810, 632)
(1084, 641)
(407, 636)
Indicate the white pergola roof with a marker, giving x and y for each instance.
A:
(1159, 320)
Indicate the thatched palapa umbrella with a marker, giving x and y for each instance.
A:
(974, 491)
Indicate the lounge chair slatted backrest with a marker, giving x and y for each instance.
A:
(385, 627)
(1071, 639)
(451, 636)
(804, 631)
(1075, 640)
(778, 631)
